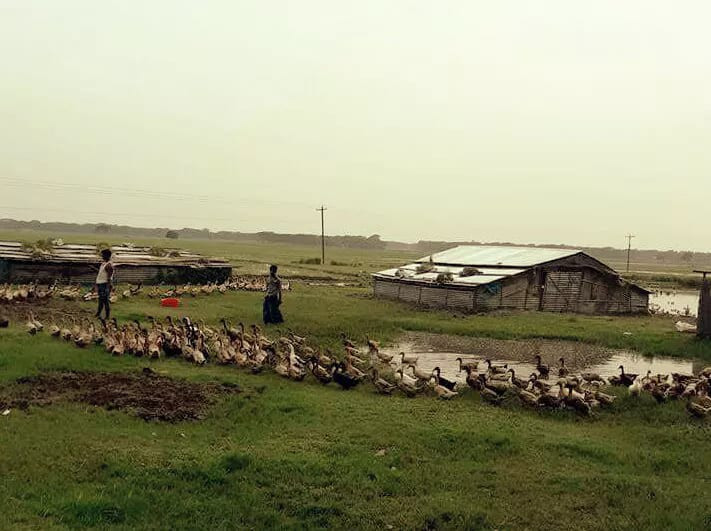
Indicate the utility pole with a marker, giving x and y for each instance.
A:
(629, 248)
(323, 236)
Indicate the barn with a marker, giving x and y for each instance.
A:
(20, 263)
(475, 278)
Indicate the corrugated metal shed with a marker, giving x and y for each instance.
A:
(531, 278)
(495, 256)
(79, 263)
(121, 255)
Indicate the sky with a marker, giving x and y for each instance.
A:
(515, 120)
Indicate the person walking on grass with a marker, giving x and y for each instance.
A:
(103, 283)
(272, 299)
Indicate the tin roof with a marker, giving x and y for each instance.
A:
(122, 254)
(495, 256)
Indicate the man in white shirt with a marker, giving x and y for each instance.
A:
(103, 283)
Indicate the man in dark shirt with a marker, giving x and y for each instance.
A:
(272, 300)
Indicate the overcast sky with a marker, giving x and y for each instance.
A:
(527, 121)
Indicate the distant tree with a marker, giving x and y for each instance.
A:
(687, 256)
(102, 228)
(172, 234)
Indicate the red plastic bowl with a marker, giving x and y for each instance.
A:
(170, 302)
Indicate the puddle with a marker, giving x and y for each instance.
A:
(434, 350)
(684, 303)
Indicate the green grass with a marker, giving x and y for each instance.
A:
(289, 455)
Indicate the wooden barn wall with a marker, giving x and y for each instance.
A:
(639, 301)
(600, 293)
(562, 290)
(22, 272)
(567, 289)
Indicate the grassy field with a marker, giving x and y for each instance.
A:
(289, 455)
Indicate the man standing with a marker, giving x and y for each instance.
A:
(103, 283)
(272, 300)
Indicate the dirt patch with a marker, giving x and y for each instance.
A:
(577, 355)
(145, 394)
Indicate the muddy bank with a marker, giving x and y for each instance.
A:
(144, 394)
(577, 355)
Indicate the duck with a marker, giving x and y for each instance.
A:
(591, 377)
(518, 382)
(408, 389)
(406, 378)
(373, 346)
(562, 370)
(320, 373)
(490, 396)
(496, 369)
(528, 398)
(342, 378)
(635, 388)
(406, 360)
(498, 387)
(549, 399)
(381, 385)
(542, 369)
(474, 364)
(449, 384)
(539, 384)
(442, 392)
(604, 398)
(30, 325)
(419, 373)
(474, 379)
(384, 358)
(626, 378)
(697, 409)
(347, 342)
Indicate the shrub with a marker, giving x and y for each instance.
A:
(469, 272)
(443, 278)
(310, 261)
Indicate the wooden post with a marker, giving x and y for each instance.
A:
(703, 321)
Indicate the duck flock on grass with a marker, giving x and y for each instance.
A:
(290, 356)
(34, 292)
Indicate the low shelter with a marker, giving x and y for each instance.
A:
(478, 278)
(20, 263)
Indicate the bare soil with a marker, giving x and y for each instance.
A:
(145, 394)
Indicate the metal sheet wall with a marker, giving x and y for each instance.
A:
(22, 272)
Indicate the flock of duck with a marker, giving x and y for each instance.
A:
(10, 293)
(290, 356)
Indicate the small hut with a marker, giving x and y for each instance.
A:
(477, 278)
